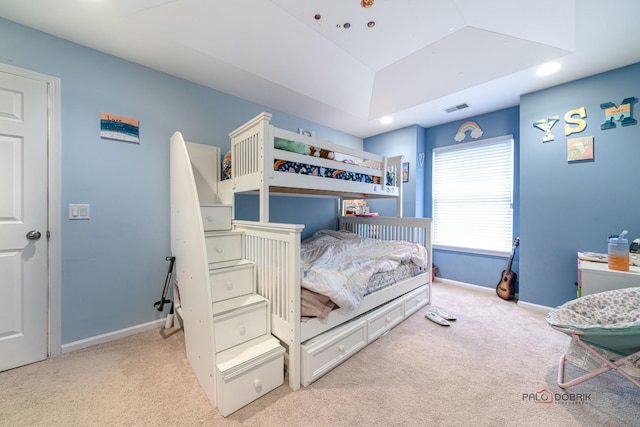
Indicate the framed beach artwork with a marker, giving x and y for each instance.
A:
(119, 128)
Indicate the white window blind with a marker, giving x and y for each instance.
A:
(472, 196)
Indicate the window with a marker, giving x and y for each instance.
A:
(473, 196)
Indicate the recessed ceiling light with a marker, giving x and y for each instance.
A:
(548, 69)
(386, 120)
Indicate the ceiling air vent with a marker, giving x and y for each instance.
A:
(457, 107)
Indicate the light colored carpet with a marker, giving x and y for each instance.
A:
(475, 372)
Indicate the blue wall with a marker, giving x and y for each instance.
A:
(113, 265)
(314, 212)
(408, 141)
(483, 270)
(569, 207)
(559, 207)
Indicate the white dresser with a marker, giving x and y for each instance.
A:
(594, 277)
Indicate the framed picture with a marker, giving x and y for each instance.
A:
(306, 132)
(119, 128)
(580, 149)
(405, 172)
(348, 207)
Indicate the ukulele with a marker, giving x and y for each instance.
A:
(506, 286)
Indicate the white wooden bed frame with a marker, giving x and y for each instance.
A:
(275, 248)
(253, 154)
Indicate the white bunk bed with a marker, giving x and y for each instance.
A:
(253, 156)
(315, 346)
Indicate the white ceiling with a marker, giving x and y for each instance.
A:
(420, 58)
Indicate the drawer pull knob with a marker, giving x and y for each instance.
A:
(219, 249)
(229, 285)
(242, 330)
(341, 348)
(210, 219)
(257, 383)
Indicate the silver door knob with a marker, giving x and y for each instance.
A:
(33, 235)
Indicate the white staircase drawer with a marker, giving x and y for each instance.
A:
(321, 354)
(233, 281)
(382, 320)
(216, 217)
(248, 372)
(241, 323)
(415, 300)
(223, 246)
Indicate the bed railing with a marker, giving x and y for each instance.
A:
(252, 158)
(275, 250)
(248, 157)
(416, 230)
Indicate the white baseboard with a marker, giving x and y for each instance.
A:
(464, 284)
(523, 304)
(536, 307)
(111, 336)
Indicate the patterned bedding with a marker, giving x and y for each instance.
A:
(340, 264)
(316, 305)
(386, 278)
(308, 169)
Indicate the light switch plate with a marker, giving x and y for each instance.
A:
(79, 211)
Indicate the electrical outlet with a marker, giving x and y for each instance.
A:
(79, 211)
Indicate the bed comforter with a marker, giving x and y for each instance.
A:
(338, 264)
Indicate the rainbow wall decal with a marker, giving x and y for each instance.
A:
(472, 128)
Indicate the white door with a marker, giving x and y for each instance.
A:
(23, 220)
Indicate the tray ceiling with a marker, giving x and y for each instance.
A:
(344, 65)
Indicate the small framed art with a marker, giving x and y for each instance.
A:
(405, 172)
(119, 128)
(580, 149)
(306, 132)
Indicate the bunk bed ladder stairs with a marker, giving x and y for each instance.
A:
(249, 360)
(227, 325)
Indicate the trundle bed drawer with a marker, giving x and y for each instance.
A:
(247, 372)
(232, 281)
(245, 319)
(321, 354)
(415, 300)
(216, 217)
(383, 319)
(223, 246)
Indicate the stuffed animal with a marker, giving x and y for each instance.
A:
(321, 152)
(293, 146)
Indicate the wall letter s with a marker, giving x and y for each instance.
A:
(569, 119)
